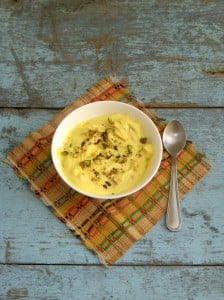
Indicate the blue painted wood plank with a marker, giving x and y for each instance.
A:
(31, 234)
(170, 53)
(92, 282)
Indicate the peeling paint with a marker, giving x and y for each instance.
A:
(208, 1)
(32, 94)
(16, 293)
(101, 41)
(156, 103)
(6, 131)
(207, 219)
(44, 249)
(105, 65)
(7, 251)
(213, 72)
(208, 242)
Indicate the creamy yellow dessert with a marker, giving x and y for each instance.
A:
(105, 155)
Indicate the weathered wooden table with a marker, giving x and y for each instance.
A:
(172, 55)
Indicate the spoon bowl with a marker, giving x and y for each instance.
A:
(174, 137)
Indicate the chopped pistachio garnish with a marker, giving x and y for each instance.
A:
(105, 145)
(110, 121)
(104, 136)
(96, 173)
(105, 150)
(130, 148)
(82, 165)
(123, 160)
(64, 152)
(110, 130)
(114, 181)
(91, 133)
(85, 163)
(112, 172)
(143, 140)
(97, 142)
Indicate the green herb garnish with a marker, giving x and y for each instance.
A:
(104, 145)
(130, 148)
(143, 140)
(91, 133)
(110, 130)
(110, 121)
(83, 143)
(85, 163)
(64, 152)
(104, 136)
(123, 160)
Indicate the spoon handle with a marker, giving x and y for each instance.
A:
(173, 216)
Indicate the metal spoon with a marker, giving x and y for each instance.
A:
(174, 140)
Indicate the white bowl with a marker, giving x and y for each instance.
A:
(95, 109)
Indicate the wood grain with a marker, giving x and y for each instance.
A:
(33, 235)
(171, 53)
(92, 282)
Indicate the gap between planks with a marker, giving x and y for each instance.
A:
(148, 106)
(116, 265)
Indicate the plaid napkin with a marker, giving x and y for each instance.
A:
(108, 228)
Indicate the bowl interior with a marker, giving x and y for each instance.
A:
(106, 107)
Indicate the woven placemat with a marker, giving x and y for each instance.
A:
(108, 228)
